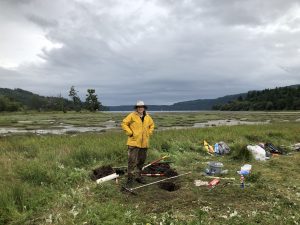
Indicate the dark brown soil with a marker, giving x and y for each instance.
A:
(102, 171)
(171, 173)
(169, 186)
(163, 168)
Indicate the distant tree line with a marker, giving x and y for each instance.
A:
(284, 98)
(18, 99)
(9, 104)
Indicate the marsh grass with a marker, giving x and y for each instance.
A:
(27, 147)
(48, 120)
(240, 153)
(36, 173)
(46, 178)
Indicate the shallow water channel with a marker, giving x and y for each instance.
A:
(215, 123)
(110, 124)
(231, 122)
(58, 129)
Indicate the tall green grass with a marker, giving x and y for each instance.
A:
(46, 179)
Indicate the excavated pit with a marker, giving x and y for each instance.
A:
(168, 186)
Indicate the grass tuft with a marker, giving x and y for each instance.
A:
(240, 153)
(253, 138)
(165, 146)
(254, 177)
(36, 173)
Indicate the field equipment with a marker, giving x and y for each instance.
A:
(131, 190)
(153, 174)
(155, 161)
(214, 168)
(214, 182)
(274, 150)
(222, 178)
(160, 168)
(221, 148)
(199, 183)
(209, 149)
(107, 178)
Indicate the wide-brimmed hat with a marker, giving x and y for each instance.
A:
(139, 104)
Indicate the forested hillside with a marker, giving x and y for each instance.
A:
(17, 99)
(199, 104)
(283, 98)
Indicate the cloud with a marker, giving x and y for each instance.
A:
(158, 51)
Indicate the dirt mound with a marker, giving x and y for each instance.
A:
(102, 171)
(171, 173)
(163, 168)
(169, 186)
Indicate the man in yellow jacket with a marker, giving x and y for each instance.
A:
(138, 126)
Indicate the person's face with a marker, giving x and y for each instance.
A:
(140, 109)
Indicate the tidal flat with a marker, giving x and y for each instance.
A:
(45, 178)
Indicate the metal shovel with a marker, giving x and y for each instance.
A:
(131, 190)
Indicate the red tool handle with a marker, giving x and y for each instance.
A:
(153, 174)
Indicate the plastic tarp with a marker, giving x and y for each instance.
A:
(258, 152)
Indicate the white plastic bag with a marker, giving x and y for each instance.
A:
(258, 152)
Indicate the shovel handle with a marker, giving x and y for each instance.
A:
(145, 185)
(155, 161)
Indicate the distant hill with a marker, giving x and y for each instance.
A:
(269, 99)
(200, 104)
(27, 100)
(282, 98)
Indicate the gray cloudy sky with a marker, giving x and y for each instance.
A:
(160, 51)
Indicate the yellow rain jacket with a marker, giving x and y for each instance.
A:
(138, 131)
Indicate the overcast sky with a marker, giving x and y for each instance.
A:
(159, 51)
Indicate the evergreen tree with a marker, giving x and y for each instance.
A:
(76, 100)
(91, 101)
(285, 98)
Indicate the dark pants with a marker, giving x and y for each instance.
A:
(136, 159)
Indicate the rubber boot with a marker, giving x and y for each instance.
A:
(130, 181)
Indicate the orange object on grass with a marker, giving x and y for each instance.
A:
(214, 182)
